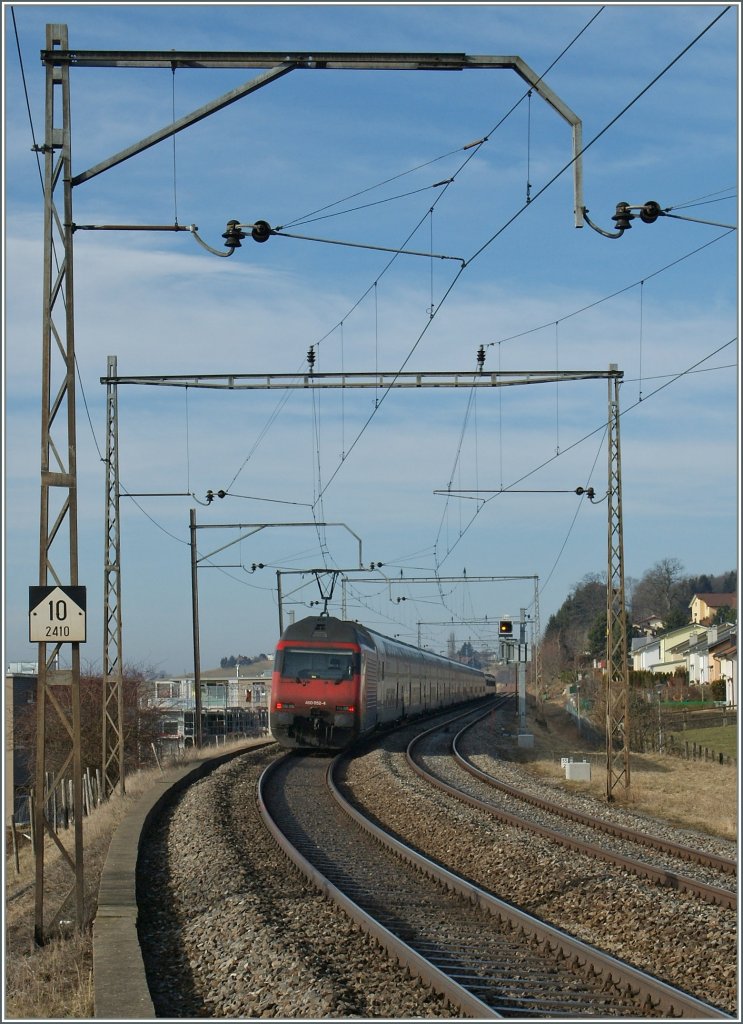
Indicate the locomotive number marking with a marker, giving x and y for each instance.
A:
(317, 703)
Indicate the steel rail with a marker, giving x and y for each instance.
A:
(723, 864)
(395, 947)
(647, 989)
(660, 876)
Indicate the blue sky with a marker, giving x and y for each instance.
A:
(359, 157)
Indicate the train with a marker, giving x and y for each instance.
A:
(334, 680)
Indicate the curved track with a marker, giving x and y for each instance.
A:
(489, 958)
(556, 822)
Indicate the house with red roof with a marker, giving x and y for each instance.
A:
(704, 607)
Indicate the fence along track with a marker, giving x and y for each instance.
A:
(559, 976)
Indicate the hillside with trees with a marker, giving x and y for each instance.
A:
(665, 592)
(576, 633)
(241, 659)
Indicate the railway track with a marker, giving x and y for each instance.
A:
(442, 760)
(228, 930)
(486, 956)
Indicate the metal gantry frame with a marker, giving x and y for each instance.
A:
(617, 739)
(253, 528)
(58, 442)
(280, 63)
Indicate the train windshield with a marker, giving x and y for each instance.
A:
(310, 664)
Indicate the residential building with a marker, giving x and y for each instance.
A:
(704, 607)
(673, 646)
(705, 654)
(650, 625)
(725, 653)
(645, 653)
(231, 706)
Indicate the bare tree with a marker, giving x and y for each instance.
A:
(653, 595)
(141, 725)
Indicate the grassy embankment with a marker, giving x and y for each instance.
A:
(723, 739)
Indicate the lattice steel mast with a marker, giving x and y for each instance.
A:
(113, 773)
(58, 692)
(617, 669)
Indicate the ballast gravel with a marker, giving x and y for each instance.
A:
(655, 929)
(229, 928)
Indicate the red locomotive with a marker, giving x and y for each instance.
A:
(335, 679)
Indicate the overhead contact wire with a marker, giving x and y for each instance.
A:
(599, 135)
(613, 295)
(475, 147)
(433, 312)
(596, 430)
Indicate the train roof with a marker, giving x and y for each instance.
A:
(327, 627)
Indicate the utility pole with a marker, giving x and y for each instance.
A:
(280, 599)
(525, 738)
(196, 640)
(536, 655)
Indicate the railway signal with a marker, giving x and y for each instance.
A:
(505, 627)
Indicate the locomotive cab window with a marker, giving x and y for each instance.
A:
(310, 664)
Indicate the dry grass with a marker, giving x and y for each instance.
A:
(693, 794)
(56, 981)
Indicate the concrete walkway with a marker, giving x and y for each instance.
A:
(121, 991)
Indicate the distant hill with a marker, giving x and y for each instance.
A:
(255, 668)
